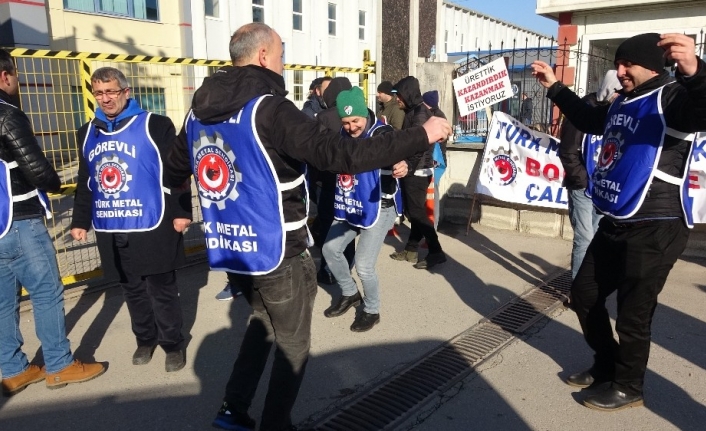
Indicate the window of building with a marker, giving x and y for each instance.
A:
(331, 19)
(141, 9)
(297, 14)
(446, 41)
(461, 43)
(298, 85)
(150, 99)
(258, 10)
(361, 24)
(211, 7)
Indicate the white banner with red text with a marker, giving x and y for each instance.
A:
(521, 165)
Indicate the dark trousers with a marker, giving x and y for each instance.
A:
(324, 215)
(414, 190)
(153, 304)
(634, 260)
(282, 303)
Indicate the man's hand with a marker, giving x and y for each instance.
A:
(400, 169)
(544, 73)
(79, 234)
(437, 128)
(180, 224)
(680, 48)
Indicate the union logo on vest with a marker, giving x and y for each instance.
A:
(610, 153)
(217, 172)
(112, 176)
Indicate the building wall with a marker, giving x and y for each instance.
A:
(615, 22)
(23, 24)
(94, 32)
(467, 30)
(312, 45)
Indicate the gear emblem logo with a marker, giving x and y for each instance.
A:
(112, 176)
(346, 182)
(610, 152)
(501, 166)
(216, 171)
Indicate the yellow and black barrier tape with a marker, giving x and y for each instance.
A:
(133, 58)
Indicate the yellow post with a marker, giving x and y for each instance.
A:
(368, 64)
(88, 100)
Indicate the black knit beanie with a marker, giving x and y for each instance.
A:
(643, 50)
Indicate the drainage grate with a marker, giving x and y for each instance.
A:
(392, 402)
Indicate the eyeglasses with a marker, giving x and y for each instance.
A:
(110, 93)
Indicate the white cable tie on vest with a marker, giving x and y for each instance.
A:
(680, 135)
(671, 179)
(292, 184)
(24, 197)
(426, 172)
(294, 225)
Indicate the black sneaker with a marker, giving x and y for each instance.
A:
(431, 260)
(227, 419)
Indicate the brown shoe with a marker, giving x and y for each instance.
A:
(75, 373)
(13, 385)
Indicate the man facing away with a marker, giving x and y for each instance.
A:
(526, 109)
(648, 133)
(138, 221)
(575, 156)
(416, 183)
(27, 255)
(248, 145)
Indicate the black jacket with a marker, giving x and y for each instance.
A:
(416, 114)
(684, 110)
(18, 144)
(152, 252)
(570, 152)
(289, 137)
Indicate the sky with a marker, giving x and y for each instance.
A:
(518, 12)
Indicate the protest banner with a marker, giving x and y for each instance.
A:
(482, 87)
(697, 178)
(521, 165)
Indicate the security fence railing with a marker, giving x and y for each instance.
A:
(591, 64)
(55, 93)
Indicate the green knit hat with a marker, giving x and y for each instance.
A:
(351, 103)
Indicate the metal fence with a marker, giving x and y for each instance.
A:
(55, 92)
(593, 65)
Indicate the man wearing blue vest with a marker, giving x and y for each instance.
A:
(27, 255)
(640, 185)
(247, 145)
(139, 221)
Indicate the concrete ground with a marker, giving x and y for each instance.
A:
(519, 388)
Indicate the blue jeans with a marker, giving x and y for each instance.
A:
(366, 255)
(28, 258)
(282, 303)
(584, 221)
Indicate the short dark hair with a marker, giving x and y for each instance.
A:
(6, 62)
(107, 74)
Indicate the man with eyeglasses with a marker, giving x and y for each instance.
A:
(27, 255)
(138, 220)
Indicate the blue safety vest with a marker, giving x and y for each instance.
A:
(240, 194)
(125, 177)
(591, 150)
(358, 197)
(632, 145)
(6, 197)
